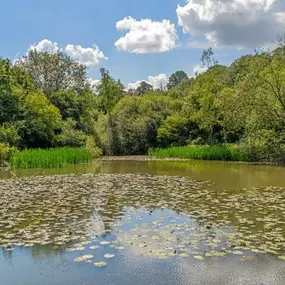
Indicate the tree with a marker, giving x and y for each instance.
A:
(208, 59)
(41, 121)
(54, 72)
(175, 130)
(138, 119)
(144, 88)
(109, 91)
(14, 85)
(176, 78)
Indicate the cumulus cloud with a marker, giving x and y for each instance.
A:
(158, 82)
(45, 46)
(240, 23)
(93, 83)
(134, 85)
(146, 36)
(90, 56)
(198, 69)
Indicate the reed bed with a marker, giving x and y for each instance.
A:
(204, 152)
(49, 158)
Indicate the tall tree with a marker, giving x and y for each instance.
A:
(53, 72)
(109, 90)
(208, 60)
(144, 88)
(176, 78)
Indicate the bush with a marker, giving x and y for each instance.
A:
(175, 130)
(69, 135)
(91, 147)
(9, 135)
(265, 145)
(5, 153)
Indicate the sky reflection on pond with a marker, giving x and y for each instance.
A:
(148, 229)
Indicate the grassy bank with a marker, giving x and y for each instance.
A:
(49, 158)
(226, 152)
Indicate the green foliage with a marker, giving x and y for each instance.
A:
(92, 148)
(265, 145)
(9, 135)
(70, 136)
(175, 130)
(109, 91)
(50, 158)
(226, 152)
(6, 153)
(46, 101)
(52, 72)
(138, 119)
(208, 59)
(41, 121)
(106, 135)
(176, 78)
(144, 88)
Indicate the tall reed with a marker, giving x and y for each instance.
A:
(49, 158)
(217, 152)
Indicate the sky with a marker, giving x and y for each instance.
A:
(140, 39)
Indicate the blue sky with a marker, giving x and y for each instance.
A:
(88, 22)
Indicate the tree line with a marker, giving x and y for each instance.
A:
(46, 101)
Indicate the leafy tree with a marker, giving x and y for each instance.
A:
(143, 88)
(41, 121)
(176, 78)
(69, 135)
(138, 120)
(208, 59)
(14, 85)
(9, 135)
(109, 91)
(54, 72)
(175, 130)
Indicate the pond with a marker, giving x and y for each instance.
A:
(143, 222)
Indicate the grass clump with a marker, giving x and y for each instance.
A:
(50, 158)
(201, 152)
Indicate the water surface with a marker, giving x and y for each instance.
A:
(147, 222)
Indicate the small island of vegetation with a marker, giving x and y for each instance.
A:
(51, 115)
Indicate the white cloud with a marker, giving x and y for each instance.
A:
(146, 36)
(158, 82)
(90, 56)
(198, 69)
(93, 83)
(45, 46)
(239, 23)
(134, 85)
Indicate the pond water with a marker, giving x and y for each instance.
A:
(143, 222)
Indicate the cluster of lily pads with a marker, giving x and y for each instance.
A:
(157, 216)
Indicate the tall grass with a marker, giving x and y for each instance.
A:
(49, 158)
(217, 152)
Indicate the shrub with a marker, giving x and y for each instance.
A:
(265, 145)
(92, 148)
(69, 135)
(9, 135)
(5, 153)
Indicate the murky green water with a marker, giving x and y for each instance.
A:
(143, 222)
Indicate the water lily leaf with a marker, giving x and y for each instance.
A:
(100, 264)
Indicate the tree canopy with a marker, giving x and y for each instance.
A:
(46, 101)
